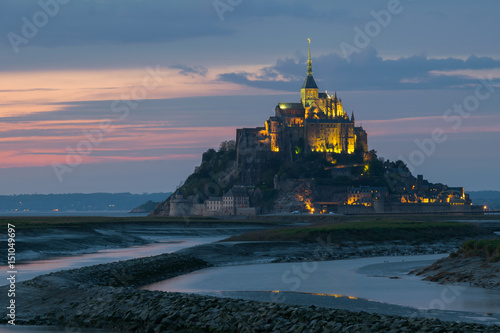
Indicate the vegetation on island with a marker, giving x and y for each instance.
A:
(78, 202)
(213, 177)
(218, 172)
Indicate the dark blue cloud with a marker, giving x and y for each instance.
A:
(148, 21)
(113, 21)
(366, 71)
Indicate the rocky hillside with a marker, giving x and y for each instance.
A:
(287, 185)
(144, 208)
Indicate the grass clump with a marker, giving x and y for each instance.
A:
(486, 248)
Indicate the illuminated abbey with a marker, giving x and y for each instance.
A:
(309, 157)
(318, 123)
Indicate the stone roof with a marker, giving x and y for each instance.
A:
(294, 106)
(309, 83)
(236, 192)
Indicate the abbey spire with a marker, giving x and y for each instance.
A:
(309, 61)
(309, 91)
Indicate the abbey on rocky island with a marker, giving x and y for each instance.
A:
(309, 157)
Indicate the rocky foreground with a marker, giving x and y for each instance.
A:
(105, 296)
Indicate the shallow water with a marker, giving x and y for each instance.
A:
(29, 269)
(381, 279)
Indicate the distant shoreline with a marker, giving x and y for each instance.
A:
(109, 213)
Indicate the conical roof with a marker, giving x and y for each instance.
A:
(309, 83)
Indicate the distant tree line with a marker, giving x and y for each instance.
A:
(78, 201)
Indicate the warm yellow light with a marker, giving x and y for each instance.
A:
(485, 207)
(332, 295)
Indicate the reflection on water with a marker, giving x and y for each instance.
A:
(30, 269)
(383, 281)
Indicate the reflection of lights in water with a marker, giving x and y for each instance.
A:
(318, 294)
(333, 295)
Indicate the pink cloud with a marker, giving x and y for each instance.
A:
(23, 146)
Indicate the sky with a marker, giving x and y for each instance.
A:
(125, 95)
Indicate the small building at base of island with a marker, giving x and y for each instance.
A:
(234, 202)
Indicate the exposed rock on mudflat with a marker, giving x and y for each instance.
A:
(221, 253)
(472, 271)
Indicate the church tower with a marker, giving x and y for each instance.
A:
(309, 91)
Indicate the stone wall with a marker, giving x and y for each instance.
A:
(250, 211)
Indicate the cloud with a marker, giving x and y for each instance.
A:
(154, 21)
(190, 70)
(367, 71)
(132, 21)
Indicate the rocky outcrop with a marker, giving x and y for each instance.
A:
(294, 195)
(144, 208)
(223, 253)
(472, 271)
(161, 209)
